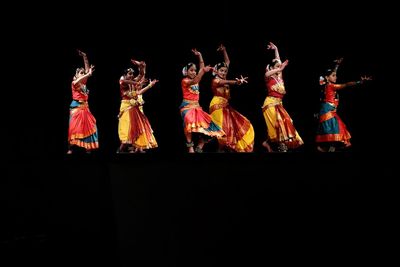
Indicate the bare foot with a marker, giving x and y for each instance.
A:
(221, 148)
(139, 150)
(69, 152)
(332, 149)
(266, 145)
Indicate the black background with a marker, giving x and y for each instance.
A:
(44, 49)
(167, 207)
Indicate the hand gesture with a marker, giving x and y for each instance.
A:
(366, 78)
(91, 70)
(153, 82)
(135, 62)
(285, 63)
(221, 48)
(138, 63)
(338, 61)
(271, 46)
(208, 68)
(82, 54)
(241, 80)
(197, 53)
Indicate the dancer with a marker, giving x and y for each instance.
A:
(282, 134)
(238, 129)
(332, 133)
(195, 120)
(134, 130)
(82, 124)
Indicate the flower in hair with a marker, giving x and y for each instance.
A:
(184, 71)
(322, 80)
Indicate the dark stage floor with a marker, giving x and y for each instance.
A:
(196, 210)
